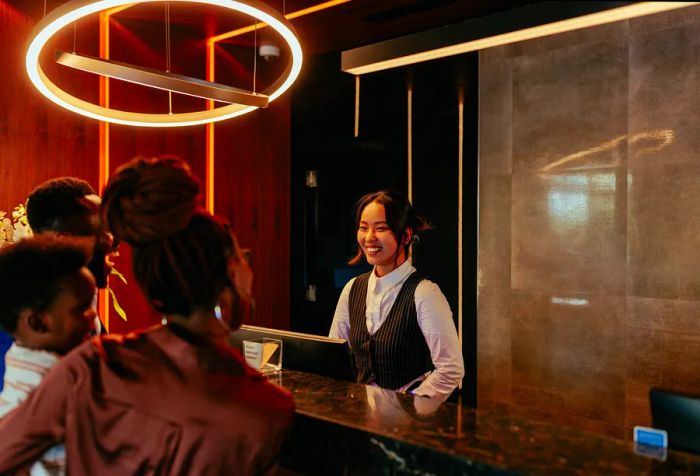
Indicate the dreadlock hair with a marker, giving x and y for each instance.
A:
(54, 202)
(31, 271)
(400, 217)
(180, 251)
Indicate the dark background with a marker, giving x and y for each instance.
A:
(347, 167)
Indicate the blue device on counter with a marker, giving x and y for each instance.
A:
(650, 436)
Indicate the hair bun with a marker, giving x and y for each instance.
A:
(149, 199)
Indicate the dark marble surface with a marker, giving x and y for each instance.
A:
(347, 428)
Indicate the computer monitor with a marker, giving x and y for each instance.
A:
(305, 352)
(679, 415)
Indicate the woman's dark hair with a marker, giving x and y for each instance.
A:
(181, 252)
(400, 217)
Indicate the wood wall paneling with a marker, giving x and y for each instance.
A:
(252, 193)
(39, 140)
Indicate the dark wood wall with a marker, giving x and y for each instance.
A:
(39, 140)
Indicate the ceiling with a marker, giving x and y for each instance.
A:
(349, 25)
(363, 22)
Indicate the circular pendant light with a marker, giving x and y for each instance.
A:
(76, 9)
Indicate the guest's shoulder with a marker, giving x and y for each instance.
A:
(106, 343)
(108, 349)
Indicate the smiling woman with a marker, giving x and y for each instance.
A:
(398, 323)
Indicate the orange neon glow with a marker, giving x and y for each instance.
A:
(113, 11)
(314, 9)
(103, 169)
(104, 101)
(210, 75)
(288, 16)
(209, 139)
(209, 172)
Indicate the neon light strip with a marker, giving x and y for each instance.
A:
(289, 16)
(584, 21)
(157, 79)
(103, 169)
(209, 153)
(209, 134)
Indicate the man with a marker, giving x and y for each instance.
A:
(70, 206)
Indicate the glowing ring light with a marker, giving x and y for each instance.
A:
(77, 9)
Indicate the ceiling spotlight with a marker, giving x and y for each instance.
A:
(269, 52)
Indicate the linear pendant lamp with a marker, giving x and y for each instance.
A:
(176, 83)
(243, 101)
(526, 23)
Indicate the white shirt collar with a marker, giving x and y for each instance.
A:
(377, 285)
(36, 356)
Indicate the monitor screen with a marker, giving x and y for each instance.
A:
(305, 352)
(679, 415)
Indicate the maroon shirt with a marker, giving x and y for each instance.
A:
(157, 402)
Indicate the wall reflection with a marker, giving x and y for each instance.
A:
(596, 290)
(647, 141)
(576, 198)
(568, 301)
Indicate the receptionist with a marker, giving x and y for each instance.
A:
(398, 323)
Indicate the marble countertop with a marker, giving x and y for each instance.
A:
(485, 437)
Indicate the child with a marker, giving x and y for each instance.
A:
(46, 295)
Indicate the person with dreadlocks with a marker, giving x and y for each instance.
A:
(174, 399)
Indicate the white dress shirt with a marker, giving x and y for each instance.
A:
(434, 320)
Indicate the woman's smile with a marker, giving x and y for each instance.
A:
(373, 250)
(378, 241)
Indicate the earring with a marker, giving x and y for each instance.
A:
(220, 317)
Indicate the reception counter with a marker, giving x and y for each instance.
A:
(349, 428)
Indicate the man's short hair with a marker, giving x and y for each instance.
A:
(52, 203)
(30, 273)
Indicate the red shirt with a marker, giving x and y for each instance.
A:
(157, 402)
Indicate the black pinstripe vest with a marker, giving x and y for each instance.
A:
(397, 352)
